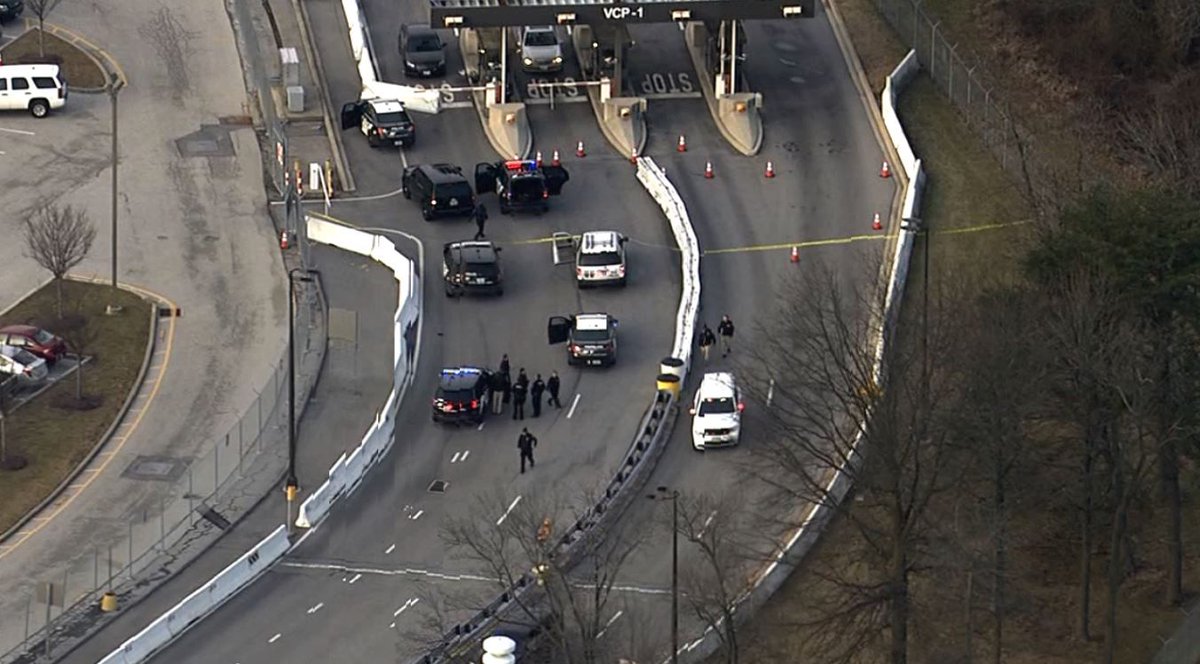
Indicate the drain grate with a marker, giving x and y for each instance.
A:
(438, 486)
(160, 468)
(209, 141)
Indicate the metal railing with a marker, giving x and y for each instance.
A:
(139, 542)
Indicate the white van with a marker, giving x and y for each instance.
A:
(33, 88)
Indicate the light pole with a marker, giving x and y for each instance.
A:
(114, 86)
(660, 494)
(293, 485)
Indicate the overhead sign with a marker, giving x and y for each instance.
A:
(499, 13)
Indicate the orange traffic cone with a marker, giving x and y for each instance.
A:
(682, 144)
(770, 173)
(283, 240)
(885, 172)
(539, 158)
(708, 172)
(795, 254)
(876, 224)
(579, 150)
(555, 161)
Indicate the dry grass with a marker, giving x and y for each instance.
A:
(52, 439)
(79, 69)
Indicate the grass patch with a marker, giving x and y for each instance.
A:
(52, 439)
(77, 67)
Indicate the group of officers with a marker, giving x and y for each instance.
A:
(517, 391)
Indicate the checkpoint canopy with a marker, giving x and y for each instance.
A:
(501, 13)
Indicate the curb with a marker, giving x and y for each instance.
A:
(317, 69)
(104, 439)
(109, 65)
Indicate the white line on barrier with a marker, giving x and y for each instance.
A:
(573, 404)
(275, 638)
(356, 578)
(316, 608)
(508, 511)
(389, 549)
(468, 452)
(416, 515)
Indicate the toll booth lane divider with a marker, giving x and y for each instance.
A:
(649, 442)
(415, 99)
(771, 576)
(344, 475)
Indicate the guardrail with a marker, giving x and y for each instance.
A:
(415, 99)
(345, 474)
(643, 453)
(770, 577)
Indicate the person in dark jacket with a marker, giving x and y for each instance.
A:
(725, 329)
(480, 215)
(505, 368)
(496, 385)
(535, 392)
(508, 386)
(519, 392)
(522, 378)
(552, 386)
(707, 340)
(526, 442)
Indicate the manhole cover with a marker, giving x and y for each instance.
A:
(209, 141)
(438, 486)
(164, 469)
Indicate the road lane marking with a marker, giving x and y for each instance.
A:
(454, 459)
(22, 132)
(275, 638)
(481, 426)
(508, 511)
(673, 95)
(407, 605)
(410, 571)
(468, 452)
(610, 622)
(403, 158)
(416, 515)
(389, 549)
(573, 404)
(316, 608)
(356, 578)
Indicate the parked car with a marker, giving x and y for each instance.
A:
(423, 51)
(34, 88)
(27, 367)
(45, 345)
(11, 9)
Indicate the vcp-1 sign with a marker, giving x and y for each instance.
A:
(621, 13)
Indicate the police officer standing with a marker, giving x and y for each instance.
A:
(526, 442)
(535, 392)
(480, 215)
(707, 340)
(519, 391)
(505, 367)
(725, 329)
(522, 379)
(552, 387)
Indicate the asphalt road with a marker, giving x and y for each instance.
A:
(392, 522)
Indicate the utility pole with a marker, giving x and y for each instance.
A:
(663, 493)
(292, 487)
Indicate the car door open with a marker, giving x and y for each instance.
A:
(558, 329)
(485, 178)
(352, 114)
(556, 177)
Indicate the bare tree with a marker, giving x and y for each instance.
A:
(571, 600)
(58, 238)
(41, 9)
(79, 335)
(830, 414)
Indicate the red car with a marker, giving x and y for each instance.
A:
(35, 340)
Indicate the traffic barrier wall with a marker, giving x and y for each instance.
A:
(645, 449)
(143, 645)
(363, 50)
(768, 580)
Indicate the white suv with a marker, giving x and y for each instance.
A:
(716, 412)
(600, 259)
(33, 88)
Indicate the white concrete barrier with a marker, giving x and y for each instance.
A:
(899, 78)
(416, 99)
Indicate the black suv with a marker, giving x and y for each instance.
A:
(440, 190)
(382, 121)
(472, 267)
(462, 395)
(591, 338)
(522, 184)
(11, 9)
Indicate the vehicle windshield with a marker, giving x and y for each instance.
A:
(592, 260)
(717, 406)
(456, 396)
(540, 38)
(528, 188)
(43, 337)
(459, 190)
(424, 44)
(394, 118)
(591, 336)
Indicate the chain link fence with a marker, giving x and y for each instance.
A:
(207, 490)
(1030, 162)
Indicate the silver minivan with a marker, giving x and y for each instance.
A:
(27, 367)
(34, 88)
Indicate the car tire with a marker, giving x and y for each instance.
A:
(621, 282)
(427, 215)
(408, 143)
(372, 140)
(39, 108)
(405, 192)
(451, 291)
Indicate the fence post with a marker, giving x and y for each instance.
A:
(933, 50)
(191, 497)
(130, 563)
(950, 72)
(217, 467)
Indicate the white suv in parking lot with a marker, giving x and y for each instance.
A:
(716, 412)
(600, 259)
(33, 88)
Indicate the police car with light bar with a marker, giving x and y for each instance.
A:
(600, 259)
(591, 338)
(462, 395)
(522, 185)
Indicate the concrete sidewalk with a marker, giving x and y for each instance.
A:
(194, 228)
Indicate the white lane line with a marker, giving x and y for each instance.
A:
(409, 571)
(275, 638)
(610, 622)
(468, 452)
(18, 131)
(416, 515)
(316, 608)
(389, 549)
(573, 404)
(481, 426)
(403, 158)
(356, 578)
(508, 511)
(708, 521)
(407, 604)
(454, 459)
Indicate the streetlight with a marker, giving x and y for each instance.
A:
(293, 485)
(917, 225)
(663, 493)
(115, 83)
